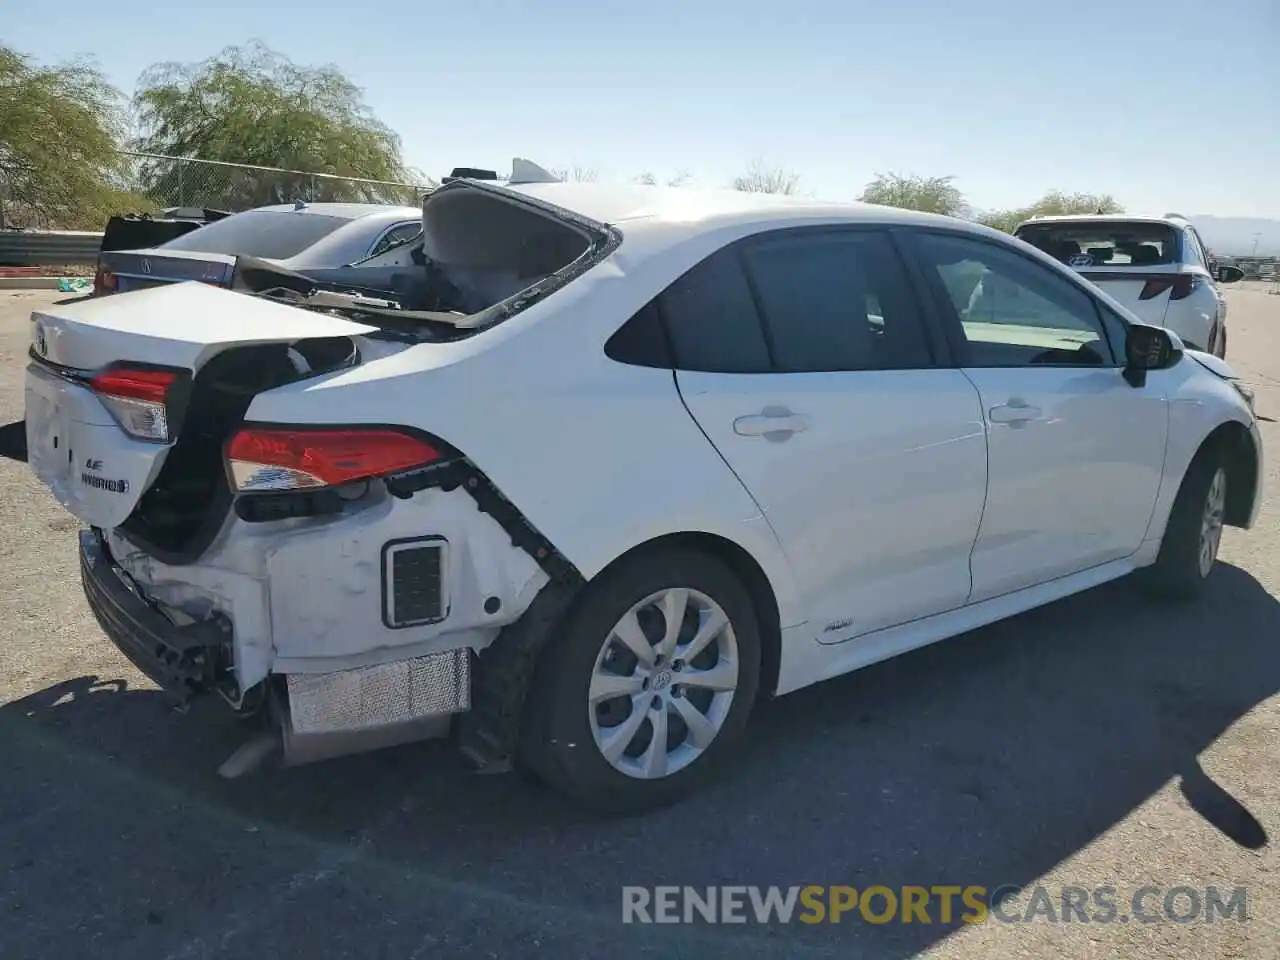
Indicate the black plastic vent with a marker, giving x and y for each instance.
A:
(413, 587)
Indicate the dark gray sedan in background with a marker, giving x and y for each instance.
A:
(298, 236)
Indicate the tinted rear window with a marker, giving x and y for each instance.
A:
(713, 320)
(1104, 243)
(259, 233)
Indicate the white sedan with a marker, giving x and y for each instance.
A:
(681, 450)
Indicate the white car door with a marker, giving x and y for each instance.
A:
(805, 358)
(1075, 453)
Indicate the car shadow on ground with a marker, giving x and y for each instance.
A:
(984, 760)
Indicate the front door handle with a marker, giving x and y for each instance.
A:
(1016, 412)
(775, 424)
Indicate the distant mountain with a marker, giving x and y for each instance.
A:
(1234, 236)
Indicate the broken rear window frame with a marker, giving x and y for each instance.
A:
(602, 239)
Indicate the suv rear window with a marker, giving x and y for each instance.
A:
(1104, 243)
(259, 233)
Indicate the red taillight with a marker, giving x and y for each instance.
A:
(150, 385)
(1181, 286)
(269, 458)
(1185, 285)
(104, 282)
(137, 399)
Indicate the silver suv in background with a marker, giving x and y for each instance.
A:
(1158, 267)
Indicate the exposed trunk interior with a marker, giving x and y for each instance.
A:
(477, 248)
(183, 510)
(489, 248)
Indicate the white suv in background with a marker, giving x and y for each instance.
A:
(1158, 267)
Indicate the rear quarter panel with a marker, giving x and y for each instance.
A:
(600, 456)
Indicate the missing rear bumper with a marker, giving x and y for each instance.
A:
(182, 660)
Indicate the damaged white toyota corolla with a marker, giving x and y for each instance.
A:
(588, 470)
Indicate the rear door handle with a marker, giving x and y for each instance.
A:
(775, 424)
(1016, 412)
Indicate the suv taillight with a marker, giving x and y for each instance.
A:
(1181, 286)
(274, 458)
(138, 399)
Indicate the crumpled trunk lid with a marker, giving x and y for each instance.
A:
(75, 446)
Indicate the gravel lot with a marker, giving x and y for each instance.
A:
(1099, 741)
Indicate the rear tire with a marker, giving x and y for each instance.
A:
(617, 678)
(1189, 548)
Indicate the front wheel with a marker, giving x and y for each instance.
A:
(1189, 548)
(648, 689)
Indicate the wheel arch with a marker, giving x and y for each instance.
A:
(1233, 442)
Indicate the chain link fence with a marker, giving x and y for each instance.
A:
(216, 185)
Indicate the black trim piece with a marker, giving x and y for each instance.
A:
(185, 661)
(939, 301)
(490, 734)
(388, 578)
(462, 473)
(269, 507)
(1095, 276)
(944, 354)
(13, 441)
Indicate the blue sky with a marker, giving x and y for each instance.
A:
(1168, 104)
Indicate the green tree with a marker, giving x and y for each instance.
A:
(59, 133)
(251, 105)
(762, 179)
(1055, 203)
(910, 192)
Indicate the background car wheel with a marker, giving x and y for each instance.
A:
(648, 689)
(1189, 548)
(1220, 348)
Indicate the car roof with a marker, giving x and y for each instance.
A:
(1172, 221)
(345, 211)
(696, 209)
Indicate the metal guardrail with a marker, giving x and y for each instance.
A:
(48, 248)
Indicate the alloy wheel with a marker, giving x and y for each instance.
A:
(1215, 503)
(663, 683)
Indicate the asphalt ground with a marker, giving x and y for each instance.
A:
(1099, 742)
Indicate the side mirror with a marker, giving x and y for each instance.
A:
(1147, 348)
(1230, 274)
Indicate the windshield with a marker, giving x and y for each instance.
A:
(259, 233)
(1104, 243)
